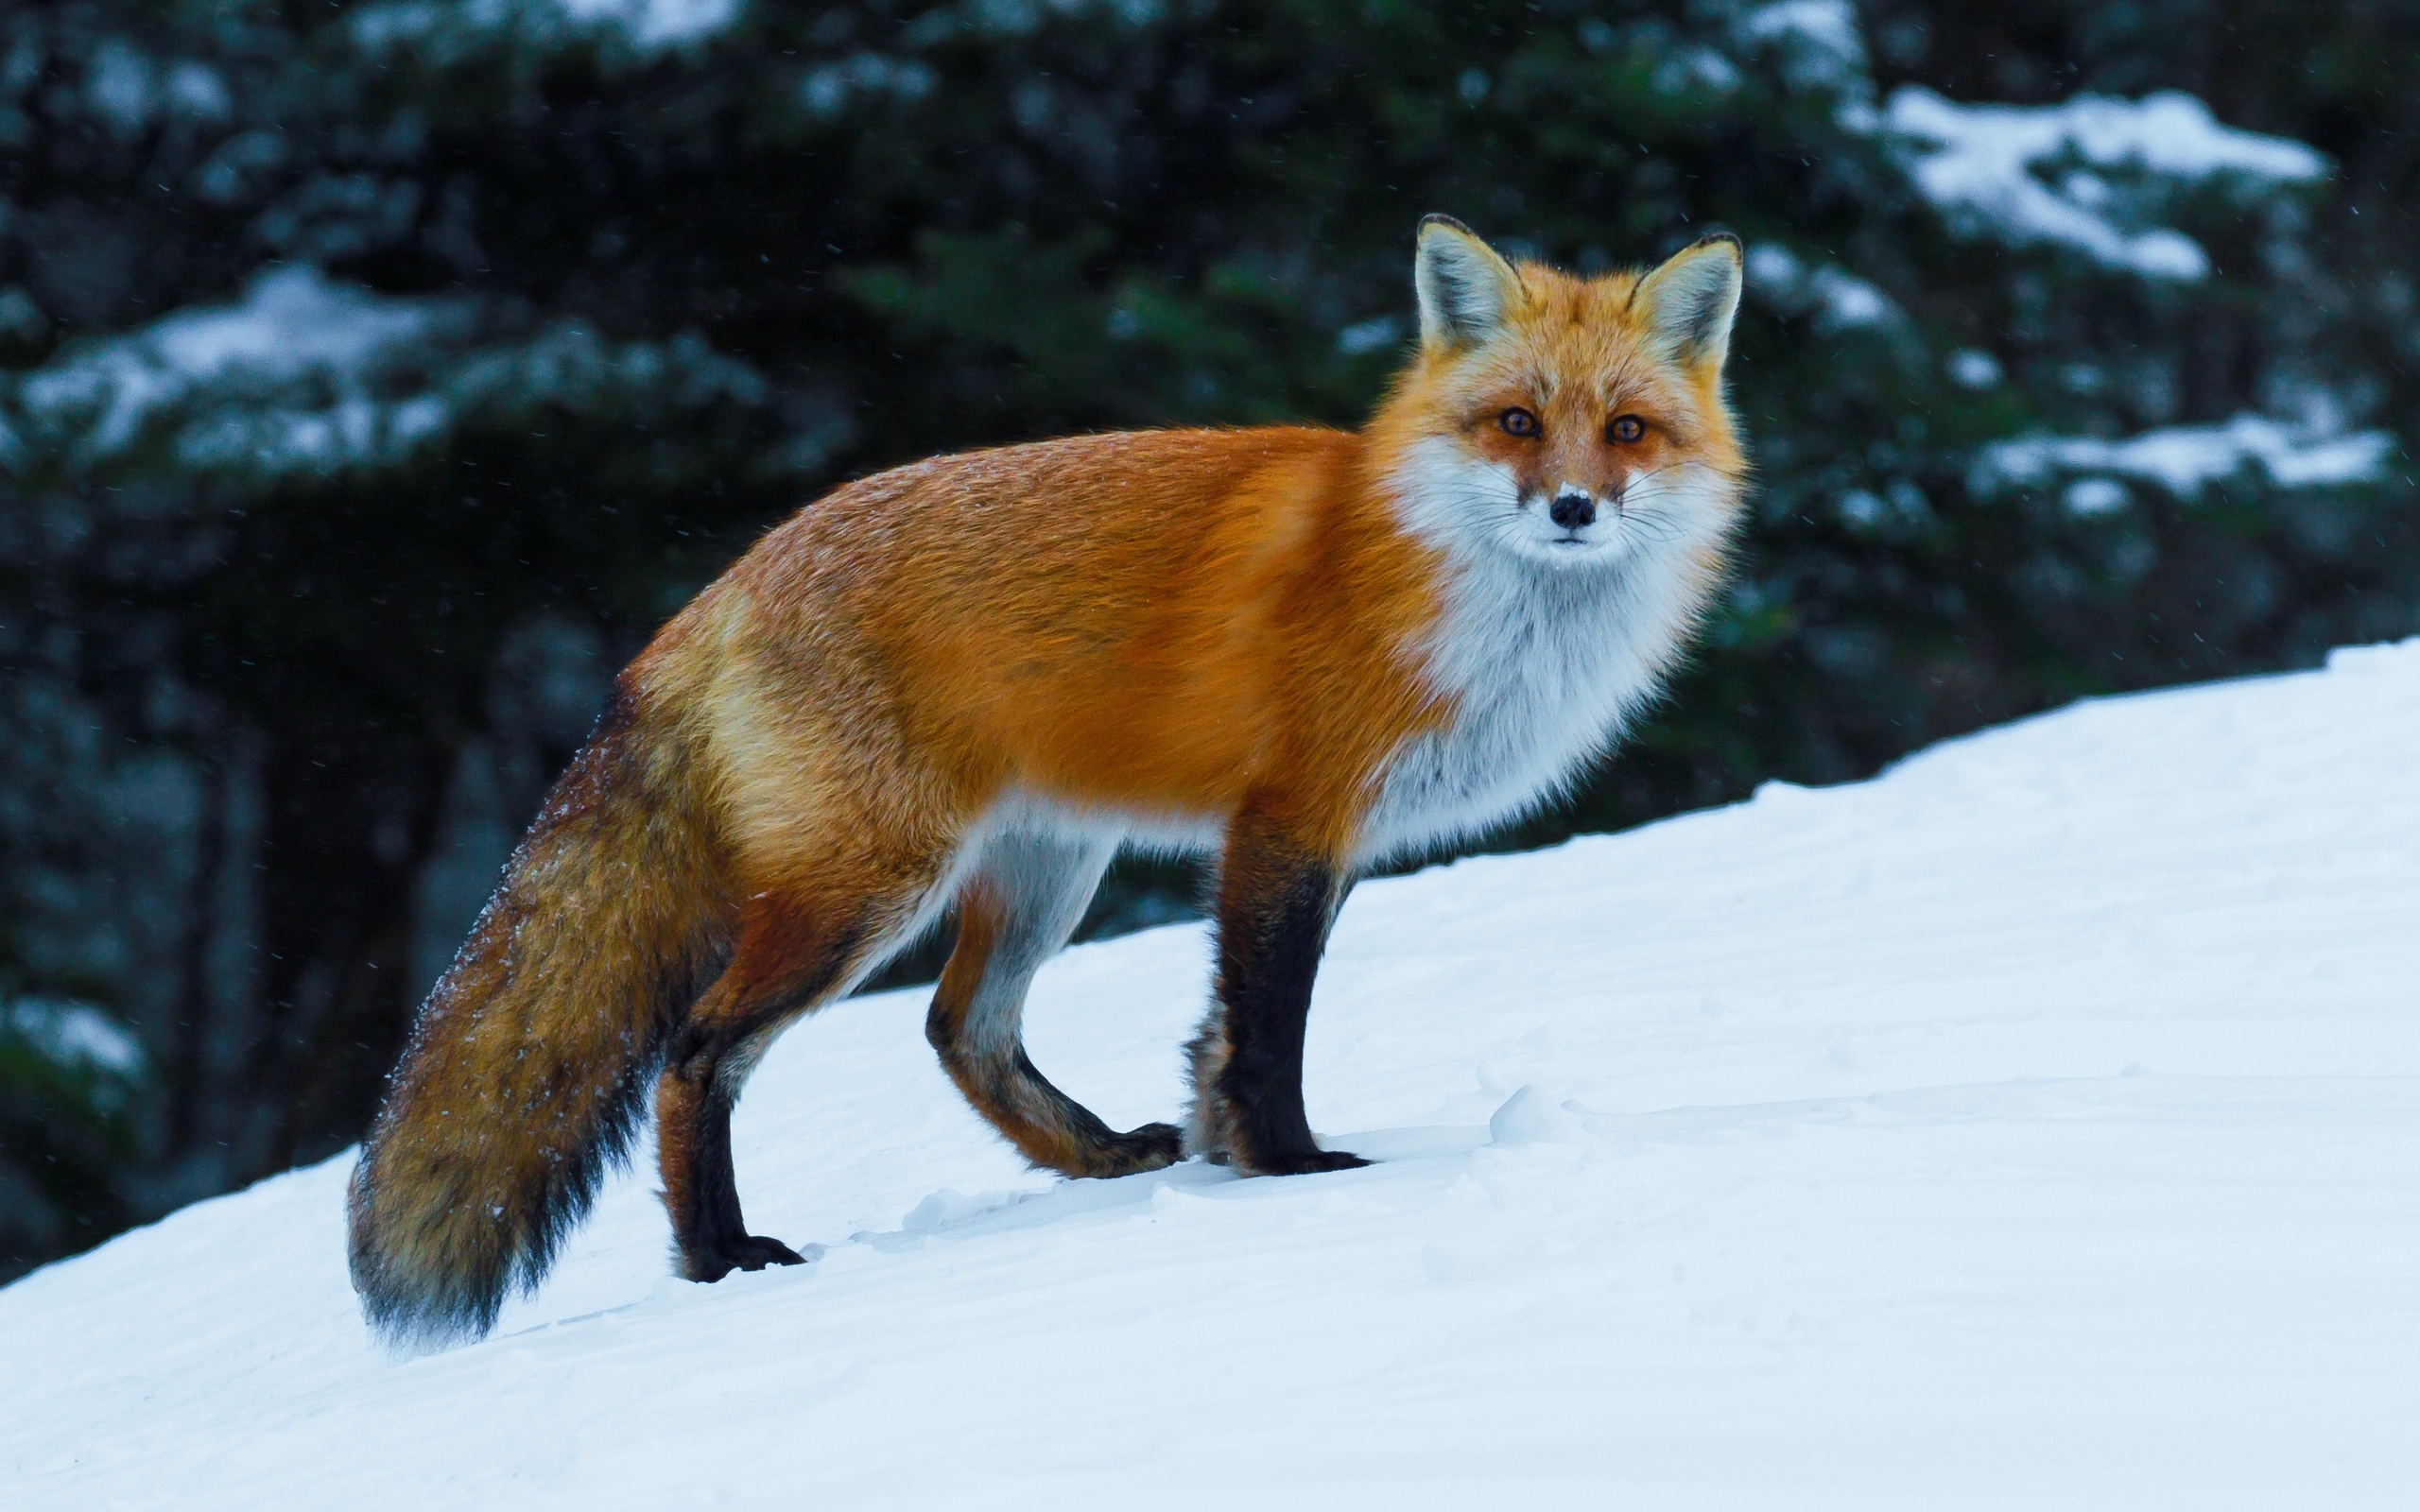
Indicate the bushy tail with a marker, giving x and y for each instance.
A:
(526, 1073)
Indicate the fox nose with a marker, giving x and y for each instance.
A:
(1572, 511)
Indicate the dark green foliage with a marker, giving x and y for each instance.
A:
(287, 650)
(66, 1124)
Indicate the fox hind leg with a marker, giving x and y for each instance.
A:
(1022, 899)
(796, 952)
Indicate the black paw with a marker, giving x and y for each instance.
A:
(1303, 1162)
(711, 1262)
(755, 1252)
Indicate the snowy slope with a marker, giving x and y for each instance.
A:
(2037, 1126)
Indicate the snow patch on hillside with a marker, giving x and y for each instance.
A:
(2037, 1126)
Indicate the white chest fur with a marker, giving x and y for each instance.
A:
(1546, 663)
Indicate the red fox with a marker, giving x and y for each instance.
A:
(968, 682)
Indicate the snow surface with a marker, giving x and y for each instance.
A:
(2037, 1126)
(1981, 168)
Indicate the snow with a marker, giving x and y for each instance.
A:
(443, 31)
(1980, 169)
(1973, 368)
(828, 89)
(1374, 334)
(2184, 458)
(1020, 18)
(278, 379)
(74, 1033)
(2037, 1126)
(303, 373)
(654, 23)
(291, 319)
(1821, 45)
(118, 83)
(1838, 299)
(2091, 496)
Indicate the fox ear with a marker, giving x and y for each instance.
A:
(1465, 288)
(1689, 301)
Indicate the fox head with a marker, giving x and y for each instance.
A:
(1561, 419)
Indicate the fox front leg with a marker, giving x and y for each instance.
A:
(1278, 899)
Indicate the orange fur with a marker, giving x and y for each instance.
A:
(1154, 624)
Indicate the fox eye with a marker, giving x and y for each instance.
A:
(1519, 421)
(1626, 428)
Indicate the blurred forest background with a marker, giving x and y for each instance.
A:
(374, 377)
